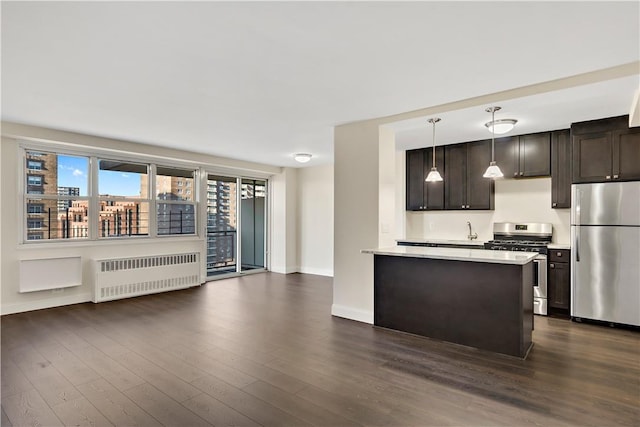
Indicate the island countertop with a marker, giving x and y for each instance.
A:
(442, 241)
(456, 254)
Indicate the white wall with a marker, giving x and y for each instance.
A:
(284, 222)
(387, 187)
(356, 217)
(315, 220)
(526, 200)
(13, 250)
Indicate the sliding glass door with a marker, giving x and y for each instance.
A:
(252, 214)
(222, 225)
(236, 225)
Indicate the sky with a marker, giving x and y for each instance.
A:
(73, 172)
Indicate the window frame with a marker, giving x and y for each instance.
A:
(29, 196)
(196, 172)
(117, 198)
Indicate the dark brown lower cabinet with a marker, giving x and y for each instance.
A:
(559, 283)
(483, 305)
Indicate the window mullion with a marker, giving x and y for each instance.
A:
(94, 199)
(153, 202)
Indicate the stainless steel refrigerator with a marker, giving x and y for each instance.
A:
(605, 255)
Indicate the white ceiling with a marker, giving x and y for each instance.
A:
(260, 81)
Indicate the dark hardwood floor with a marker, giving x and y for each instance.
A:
(264, 350)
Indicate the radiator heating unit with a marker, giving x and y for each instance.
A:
(132, 277)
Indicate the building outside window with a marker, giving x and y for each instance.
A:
(58, 204)
(35, 165)
(35, 208)
(34, 223)
(175, 208)
(123, 189)
(46, 207)
(34, 179)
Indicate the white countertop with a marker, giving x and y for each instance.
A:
(559, 246)
(443, 241)
(456, 254)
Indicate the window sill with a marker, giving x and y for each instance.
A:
(65, 244)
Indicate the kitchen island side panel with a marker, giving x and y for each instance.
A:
(483, 305)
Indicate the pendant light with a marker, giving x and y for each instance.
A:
(493, 171)
(434, 175)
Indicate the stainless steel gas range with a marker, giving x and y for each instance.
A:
(527, 237)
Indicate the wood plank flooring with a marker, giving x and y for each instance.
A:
(263, 350)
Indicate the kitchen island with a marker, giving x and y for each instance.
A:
(474, 297)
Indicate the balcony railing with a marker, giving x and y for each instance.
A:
(221, 251)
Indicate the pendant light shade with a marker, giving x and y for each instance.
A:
(434, 175)
(493, 171)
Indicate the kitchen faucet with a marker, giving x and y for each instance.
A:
(471, 235)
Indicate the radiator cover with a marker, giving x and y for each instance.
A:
(132, 277)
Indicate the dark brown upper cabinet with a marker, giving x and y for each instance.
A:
(464, 186)
(524, 156)
(506, 155)
(605, 150)
(561, 169)
(423, 195)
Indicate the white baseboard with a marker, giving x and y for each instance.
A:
(352, 313)
(47, 303)
(317, 271)
(285, 270)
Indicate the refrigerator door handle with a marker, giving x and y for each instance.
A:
(577, 225)
(577, 209)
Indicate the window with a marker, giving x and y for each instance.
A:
(34, 223)
(34, 179)
(35, 165)
(58, 203)
(175, 207)
(35, 208)
(123, 189)
(47, 208)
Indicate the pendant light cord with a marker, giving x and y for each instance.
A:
(433, 163)
(493, 133)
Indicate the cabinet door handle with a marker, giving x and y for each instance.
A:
(521, 173)
(462, 206)
(554, 204)
(558, 254)
(515, 174)
(552, 265)
(607, 177)
(615, 176)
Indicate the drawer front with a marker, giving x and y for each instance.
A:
(559, 255)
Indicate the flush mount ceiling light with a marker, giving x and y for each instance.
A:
(434, 175)
(493, 171)
(501, 126)
(302, 157)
